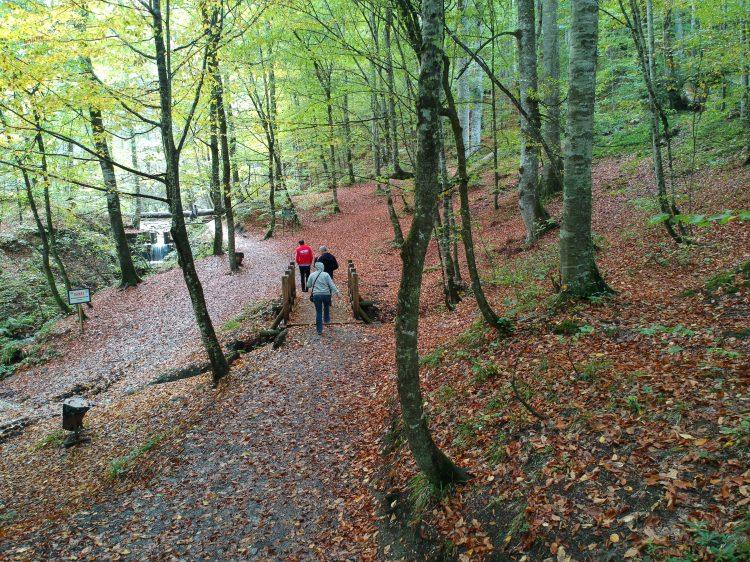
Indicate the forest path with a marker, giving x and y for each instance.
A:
(132, 333)
(260, 477)
(304, 311)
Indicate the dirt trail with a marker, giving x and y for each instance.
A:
(133, 333)
(260, 478)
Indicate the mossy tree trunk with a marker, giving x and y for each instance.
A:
(436, 466)
(128, 275)
(219, 365)
(580, 276)
(534, 215)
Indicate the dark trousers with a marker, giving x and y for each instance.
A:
(322, 311)
(304, 273)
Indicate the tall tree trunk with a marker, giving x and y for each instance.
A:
(233, 148)
(136, 182)
(444, 232)
(271, 191)
(46, 269)
(398, 234)
(48, 207)
(493, 92)
(212, 65)
(325, 78)
(534, 216)
(374, 104)
(463, 193)
(128, 275)
(348, 140)
(451, 230)
(579, 274)
(398, 173)
(745, 50)
(436, 466)
(226, 168)
(387, 148)
(219, 365)
(462, 88)
(658, 117)
(551, 180)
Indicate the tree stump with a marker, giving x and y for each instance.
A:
(73, 410)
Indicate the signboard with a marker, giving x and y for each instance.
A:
(79, 296)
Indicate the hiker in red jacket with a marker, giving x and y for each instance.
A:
(304, 258)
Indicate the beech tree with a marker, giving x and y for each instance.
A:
(579, 274)
(436, 466)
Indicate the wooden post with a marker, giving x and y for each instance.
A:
(355, 294)
(292, 272)
(80, 316)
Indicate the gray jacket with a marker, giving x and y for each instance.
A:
(325, 286)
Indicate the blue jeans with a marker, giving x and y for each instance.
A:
(322, 311)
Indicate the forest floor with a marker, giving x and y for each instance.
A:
(298, 453)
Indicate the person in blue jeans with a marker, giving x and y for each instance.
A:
(323, 288)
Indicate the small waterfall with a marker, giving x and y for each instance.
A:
(159, 248)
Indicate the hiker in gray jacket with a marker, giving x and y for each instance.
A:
(323, 288)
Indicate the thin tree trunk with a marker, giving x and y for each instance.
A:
(48, 208)
(219, 365)
(324, 78)
(374, 104)
(398, 173)
(46, 269)
(551, 181)
(495, 148)
(387, 148)
(658, 118)
(435, 465)
(535, 218)
(215, 186)
(463, 192)
(233, 149)
(271, 191)
(129, 276)
(745, 50)
(226, 168)
(444, 233)
(136, 182)
(348, 140)
(398, 234)
(580, 277)
(448, 214)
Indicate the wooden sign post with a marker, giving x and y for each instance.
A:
(79, 297)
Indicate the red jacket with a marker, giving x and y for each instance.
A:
(304, 255)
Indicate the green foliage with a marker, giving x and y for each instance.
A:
(120, 466)
(700, 220)
(54, 439)
(231, 325)
(483, 371)
(433, 358)
(591, 369)
(567, 327)
(422, 495)
(633, 405)
(739, 434)
(731, 546)
(496, 452)
(721, 352)
(723, 280)
(474, 334)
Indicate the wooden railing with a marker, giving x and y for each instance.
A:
(288, 297)
(354, 297)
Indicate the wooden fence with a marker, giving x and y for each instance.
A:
(354, 297)
(288, 297)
